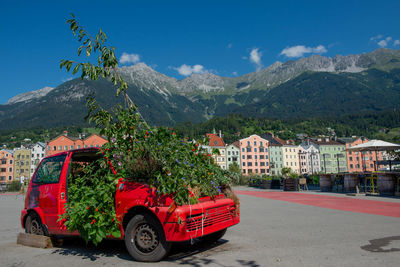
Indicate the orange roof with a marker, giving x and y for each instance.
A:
(215, 140)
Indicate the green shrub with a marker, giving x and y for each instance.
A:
(14, 186)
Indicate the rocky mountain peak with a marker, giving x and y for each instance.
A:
(29, 96)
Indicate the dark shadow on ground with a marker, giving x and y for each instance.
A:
(376, 245)
(193, 253)
(74, 246)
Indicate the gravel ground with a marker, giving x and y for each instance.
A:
(271, 233)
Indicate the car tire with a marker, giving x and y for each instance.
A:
(145, 239)
(214, 237)
(34, 225)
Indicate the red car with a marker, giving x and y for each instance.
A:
(148, 225)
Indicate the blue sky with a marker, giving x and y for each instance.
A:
(177, 38)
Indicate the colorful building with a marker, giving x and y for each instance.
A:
(254, 151)
(6, 166)
(361, 161)
(333, 158)
(215, 141)
(233, 154)
(22, 164)
(65, 143)
(38, 152)
(309, 158)
(275, 153)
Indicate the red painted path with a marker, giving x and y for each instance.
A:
(383, 208)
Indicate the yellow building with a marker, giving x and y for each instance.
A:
(22, 164)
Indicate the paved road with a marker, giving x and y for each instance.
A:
(272, 233)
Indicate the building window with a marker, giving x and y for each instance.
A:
(59, 148)
(229, 153)
(261, 156)
(10, 169)
(255, 149)
(262, 163)
(261, 149)
(244, 163)
(244, 171)
(9, 178)
(250, 171)
(78, 146)
(65, 147)
(242, 156)
(248, 149)
(351, 158)
(256, 164)
(248, 156)
(71, 147)
(248, 143)
(11, 161)
(249, 164)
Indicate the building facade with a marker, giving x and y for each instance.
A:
(6, 166)
(361, 161)
(254, 151)
(64, 143)
(22, 164)
(233, 154)
(333, 158)
(276, 159)
(215, 141)
(309, 159)
(38, 151)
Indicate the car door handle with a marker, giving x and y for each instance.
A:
(62, 195)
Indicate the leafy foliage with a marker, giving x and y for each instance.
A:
(91, 207)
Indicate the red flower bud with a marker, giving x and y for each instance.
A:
(96, 210)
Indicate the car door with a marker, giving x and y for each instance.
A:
(45, 183)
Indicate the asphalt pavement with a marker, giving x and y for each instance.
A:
(272, 232)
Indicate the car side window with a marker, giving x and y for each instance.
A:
(49, 170)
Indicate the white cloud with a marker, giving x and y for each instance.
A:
(235, 73)
(229, 46)
(187, 70)
(379, 36)
(129, 58)
(255, 58)
(396, 42)
(385, 42)
(300, 50)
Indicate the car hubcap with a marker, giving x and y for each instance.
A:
(36, 229)
(146, 239)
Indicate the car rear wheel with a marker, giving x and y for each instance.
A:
(145, 239)
(214, 237)
(33, 225)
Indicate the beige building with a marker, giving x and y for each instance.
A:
(290, 156)
(215, 141)
(22, 164)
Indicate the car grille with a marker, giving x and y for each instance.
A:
(211, 216)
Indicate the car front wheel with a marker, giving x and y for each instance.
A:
(145, 239)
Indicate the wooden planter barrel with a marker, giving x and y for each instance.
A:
(325, 183)
(266, 184)
(386, 184)
(291, 184)
(275, 184)
(350, 182)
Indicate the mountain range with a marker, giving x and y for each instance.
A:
(316, 86)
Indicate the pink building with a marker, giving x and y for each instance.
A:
(361, 161)
(254, 155)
